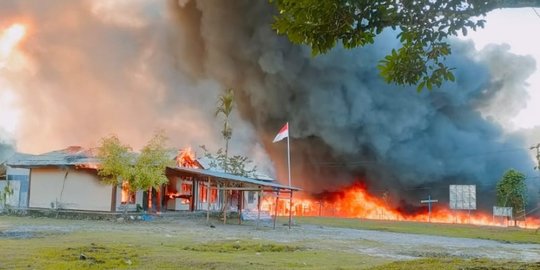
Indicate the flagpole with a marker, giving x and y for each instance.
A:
(289, 152)
(289, 167)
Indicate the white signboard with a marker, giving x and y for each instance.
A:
(502, 211)
(463, 197)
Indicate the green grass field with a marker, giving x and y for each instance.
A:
(75, 244)
(509, 234)
(126, 249)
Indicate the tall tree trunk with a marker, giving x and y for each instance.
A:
(226, 155)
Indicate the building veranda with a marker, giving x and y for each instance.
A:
(68, 180)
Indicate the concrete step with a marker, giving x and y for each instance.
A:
(252, 215)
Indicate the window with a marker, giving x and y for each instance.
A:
(186, 188)
(203, 192)
(213, 195)
(251, 196)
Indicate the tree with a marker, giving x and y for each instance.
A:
(7, 191)
(225, 107)
(6, 150)
(424, 26)
(150, 165)
(512, 192)
(5, 194)
(237, 164)
(115, 161)
(3, 171)
(537, 147)
(143, 171)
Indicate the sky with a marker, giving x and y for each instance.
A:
(515, 27)
(519, 28)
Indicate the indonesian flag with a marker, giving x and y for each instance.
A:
(282, 134)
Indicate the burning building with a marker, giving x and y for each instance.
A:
(195, 185)
(347, 126)
(68, 179)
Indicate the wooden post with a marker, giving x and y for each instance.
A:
(218, 197)
(275, 209)
(159, 199)
(259, 197)
(225, 197)
(208, 202)
(240, 203)
(193, 194)
(150, 200)
(113, 199)
(196, 201)
(290, 209)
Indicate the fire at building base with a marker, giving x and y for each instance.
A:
(67, 179)
(355, 202)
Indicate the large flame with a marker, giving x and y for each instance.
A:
(186, 158)
(10, 38)
(356, 202)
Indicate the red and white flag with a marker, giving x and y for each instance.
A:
(282, 134)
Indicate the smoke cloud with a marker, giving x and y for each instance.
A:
(91, 68)
(7, 147)
(347, 124)
(6, 150)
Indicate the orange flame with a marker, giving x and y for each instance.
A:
(10, 38)
(184, 198)
(356, 202)
(90, 165)
(186, 158)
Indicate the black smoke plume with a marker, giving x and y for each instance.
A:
(348, 125)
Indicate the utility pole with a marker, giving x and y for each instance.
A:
(537, 167)
(537, 147)
(429, 201)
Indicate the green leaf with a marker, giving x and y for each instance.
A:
(429, 85)
(420, 86)
(451, 76)
(424, 24)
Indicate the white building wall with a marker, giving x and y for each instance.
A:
(79, 190)
(251, 205)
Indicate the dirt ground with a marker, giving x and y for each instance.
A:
(395, 246)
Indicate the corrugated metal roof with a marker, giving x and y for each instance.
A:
(231, 177)
(82, 157)
(71, 156)
(206, 163)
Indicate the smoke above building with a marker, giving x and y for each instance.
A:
(91, 68)
(6, 150)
